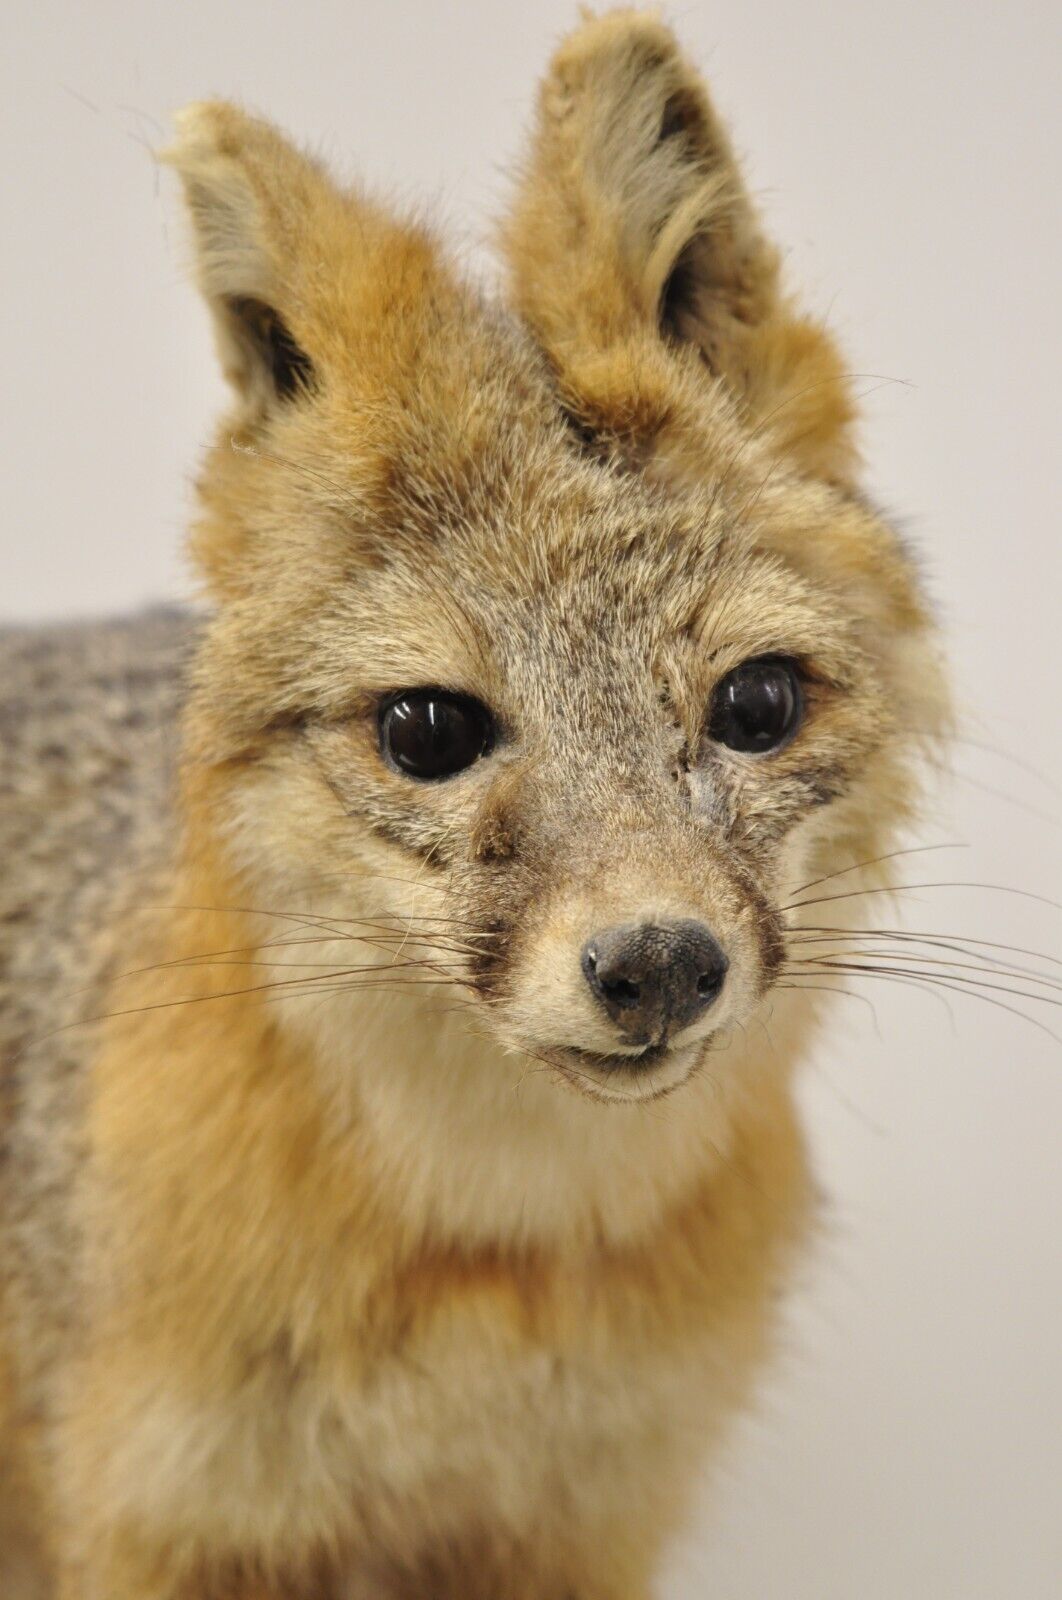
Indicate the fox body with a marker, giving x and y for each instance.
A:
(379, 1214)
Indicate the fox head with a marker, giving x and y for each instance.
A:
(553, 639)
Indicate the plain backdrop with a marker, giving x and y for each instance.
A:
(909, 1441)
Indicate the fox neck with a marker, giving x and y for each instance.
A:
(456, 1141)
(488, 1148)
(462, 1142)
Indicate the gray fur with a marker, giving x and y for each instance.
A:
(88, 738)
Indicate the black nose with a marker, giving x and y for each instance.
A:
(654, 978)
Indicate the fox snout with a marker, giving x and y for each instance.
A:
(652, 979)
(625, 973)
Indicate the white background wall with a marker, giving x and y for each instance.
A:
(910, 1443)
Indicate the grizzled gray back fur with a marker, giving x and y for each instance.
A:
(88, 736)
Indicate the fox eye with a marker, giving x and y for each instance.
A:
(758, 707)
(432, 733)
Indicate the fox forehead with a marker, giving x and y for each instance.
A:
(481, 543)
(521, 609)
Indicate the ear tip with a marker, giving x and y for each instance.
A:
(198, 132)
(207, 129)
(618, 61)
(618, 31)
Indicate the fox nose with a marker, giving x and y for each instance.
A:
(654, 978)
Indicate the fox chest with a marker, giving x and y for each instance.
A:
(454, 1428)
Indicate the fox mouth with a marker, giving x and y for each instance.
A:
(631, 1060)
(626, 1075)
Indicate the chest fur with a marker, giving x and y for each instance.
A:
(468, 1421)
(301, 1374)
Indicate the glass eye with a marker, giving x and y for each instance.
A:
(431, 733)
(758, 707)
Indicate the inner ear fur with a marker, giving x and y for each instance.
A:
(253, 201)
(638, 260)
(340, 324)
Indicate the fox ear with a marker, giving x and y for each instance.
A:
(254, 201)
(636, 255)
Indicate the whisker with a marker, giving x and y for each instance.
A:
(743, 516)
(910, 982)
(1034, 1022)
(217, 957)
(961, 939)
(874, 861)
(1028, 767)
(383, 931)
(748, 439)
(881, 378)
(389, 982)
(413, 883)
(824, 988)
(346, 495)
(360, 876)
(398, 939)
(854, 894)
(427, 859)
(1003, 794)
(325, 987)
(311, 918)
(975, 985)
(319, 966)
(322, 919)
(986, 963)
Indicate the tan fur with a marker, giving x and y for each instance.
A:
(369, 1302)
(608, 211)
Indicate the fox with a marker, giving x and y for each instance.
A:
(407, 952)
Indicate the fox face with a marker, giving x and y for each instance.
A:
(552, 639)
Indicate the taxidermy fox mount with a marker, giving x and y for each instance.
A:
(395, 1189)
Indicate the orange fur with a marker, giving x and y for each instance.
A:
(369, 1302)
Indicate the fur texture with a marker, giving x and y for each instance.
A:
(340, 1254)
